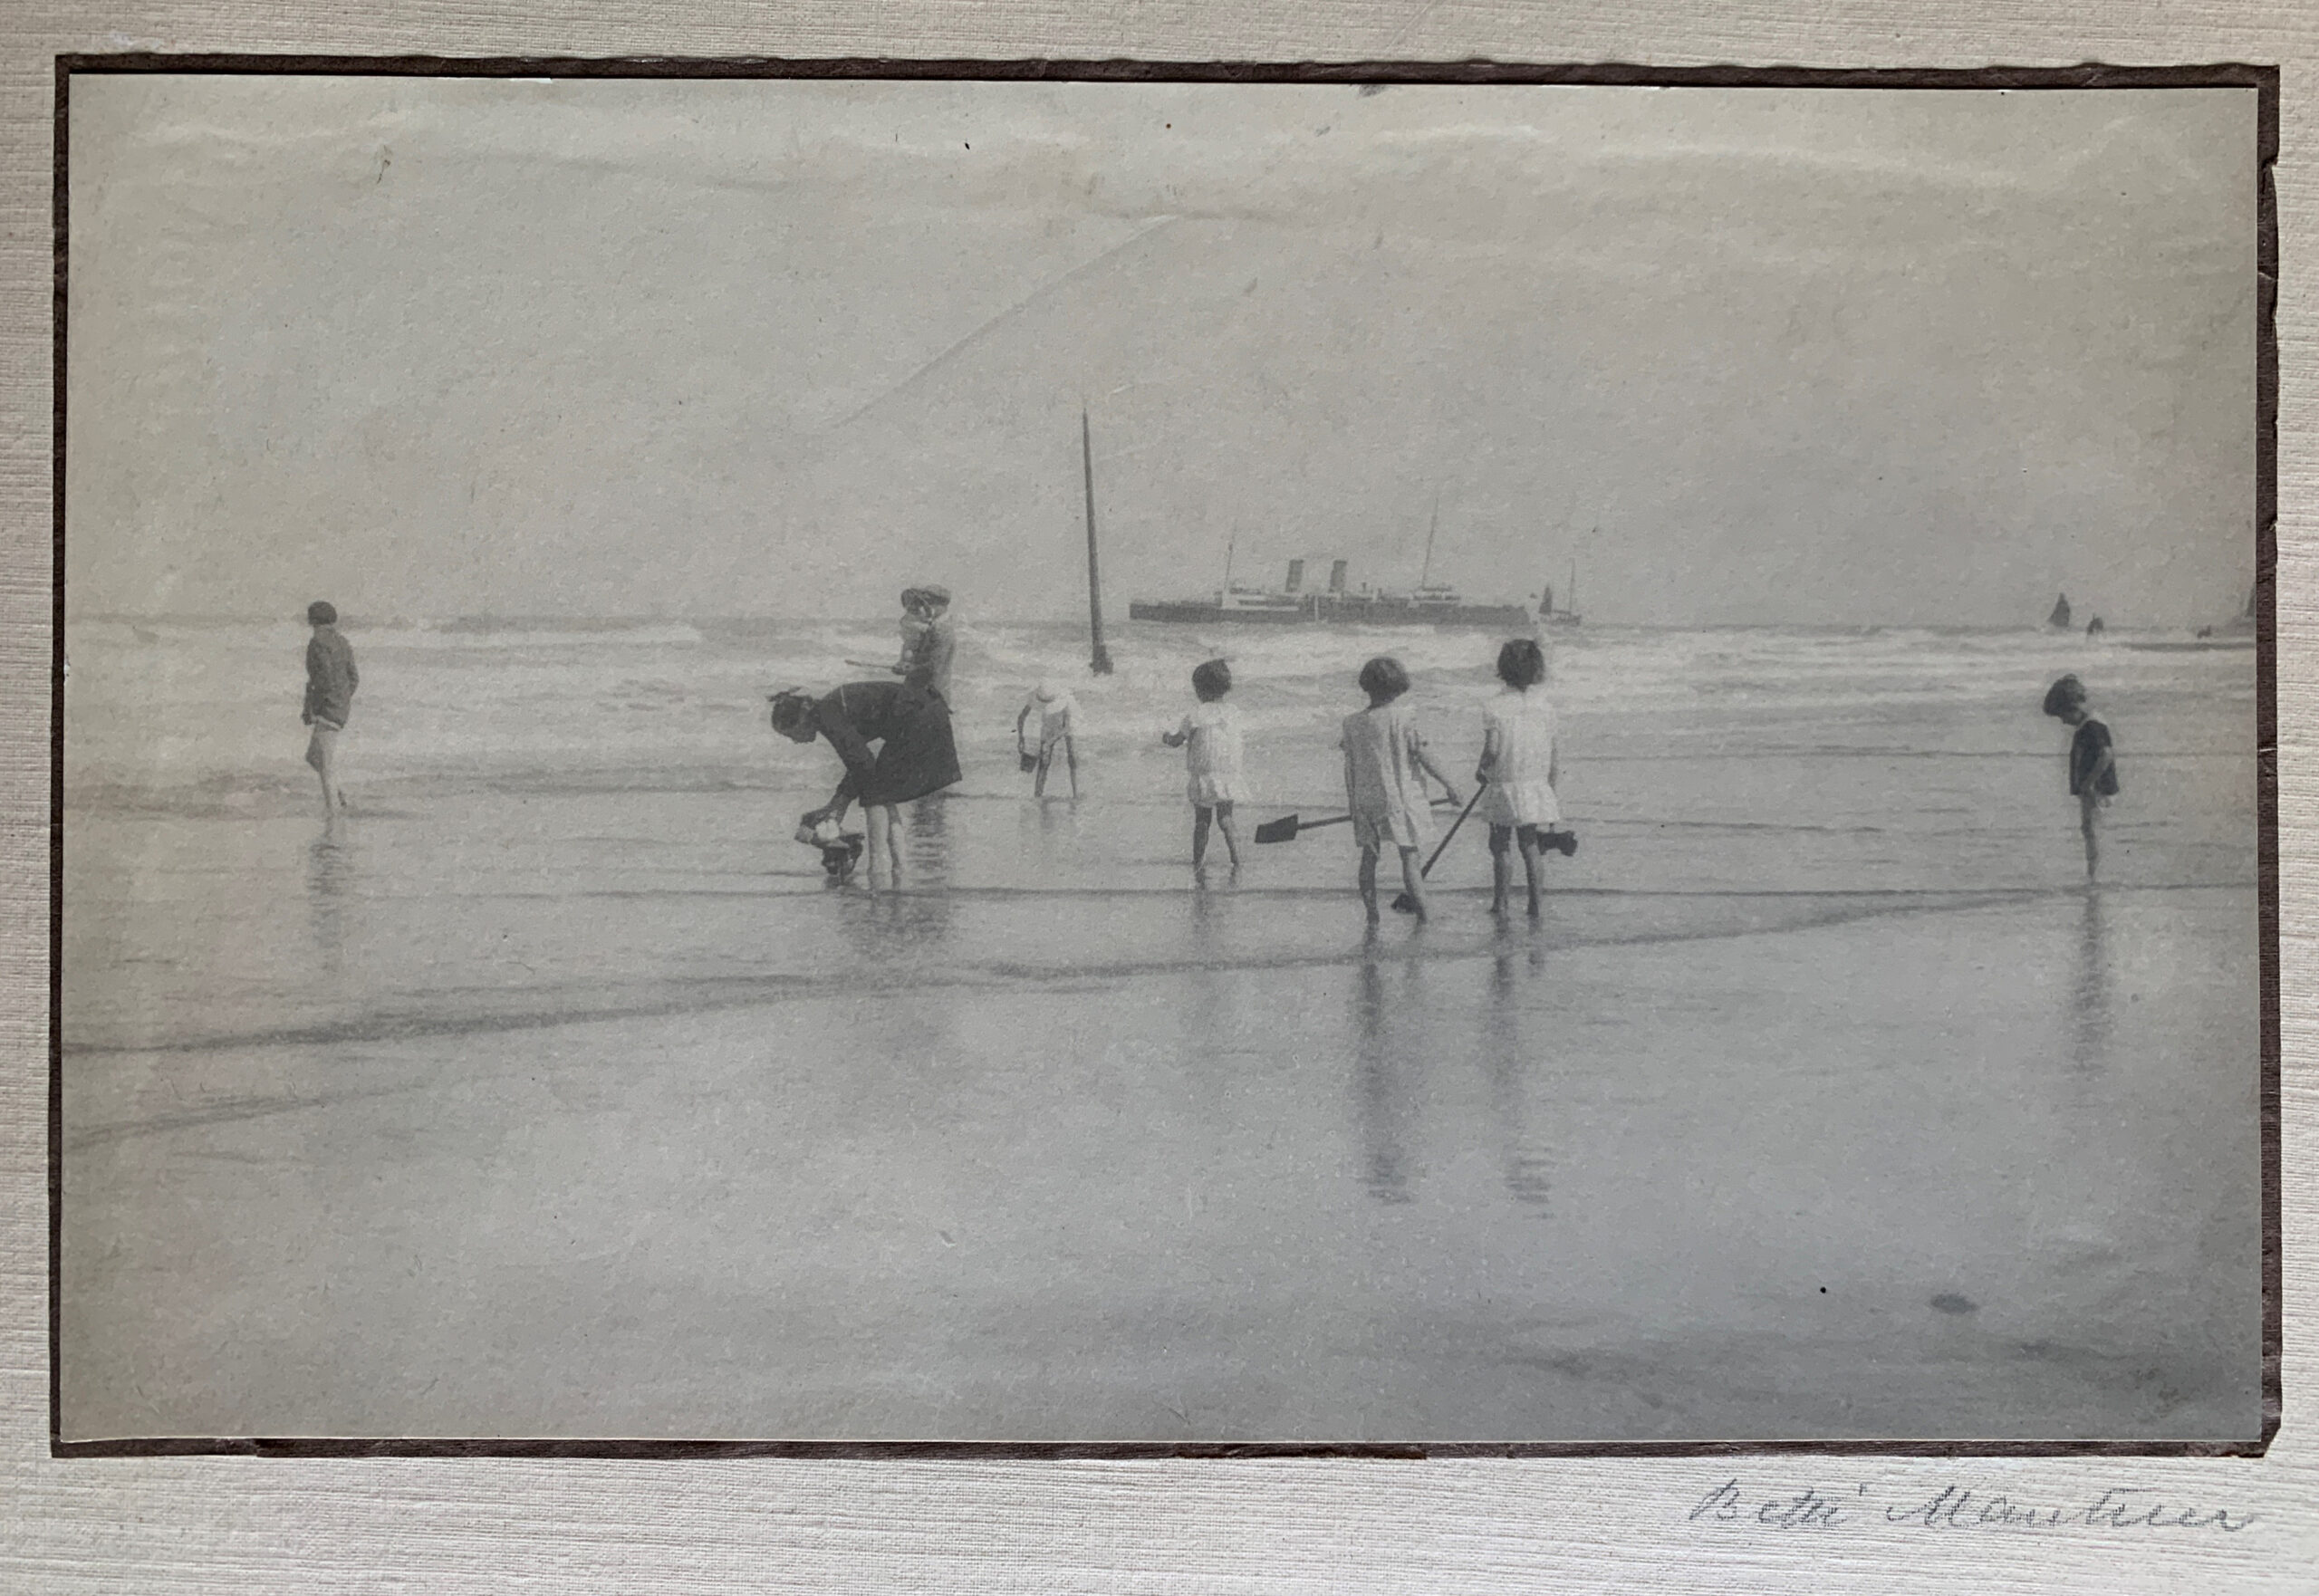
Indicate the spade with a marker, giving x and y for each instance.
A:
(1285, 829)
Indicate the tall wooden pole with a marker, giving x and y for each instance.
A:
(1102, 663)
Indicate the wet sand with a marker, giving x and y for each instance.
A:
(558, 1095)
(426, 1133)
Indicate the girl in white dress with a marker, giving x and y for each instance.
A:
(1210, 739)
(1519, 766)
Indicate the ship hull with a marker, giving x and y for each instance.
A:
(1322, 613)
(1192, 611)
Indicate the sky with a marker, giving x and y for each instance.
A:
(1745, 356)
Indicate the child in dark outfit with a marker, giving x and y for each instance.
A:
(2092, 762)
(330, 681)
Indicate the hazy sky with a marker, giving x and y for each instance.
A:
(431, 347)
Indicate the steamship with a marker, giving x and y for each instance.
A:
(1429, 603)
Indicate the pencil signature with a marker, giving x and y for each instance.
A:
(1959, 1507)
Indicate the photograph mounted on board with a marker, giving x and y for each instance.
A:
(849, 759)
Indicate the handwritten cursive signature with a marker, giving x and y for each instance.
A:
(1956, 1507)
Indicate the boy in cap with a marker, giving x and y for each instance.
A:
(1054, 708)
(330, 680)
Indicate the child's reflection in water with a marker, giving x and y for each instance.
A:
(2090, 995)
(330, 888)
(1383, 1077)
(1509, 1047)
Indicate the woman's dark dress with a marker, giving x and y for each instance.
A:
(912, 725)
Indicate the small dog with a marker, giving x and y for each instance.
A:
(840, 851)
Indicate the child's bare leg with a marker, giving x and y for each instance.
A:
(1501, 867)
(1201, 816)
(1413, 882)
(321, 753)
(1528, 837)
(2086, 807)
(879, 819)
(1369, 879)
(1039, 782)
(1071, 759)
(1231, 832)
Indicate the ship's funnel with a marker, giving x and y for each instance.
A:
(1296, 583)
(1336, 576)
(1546, 601)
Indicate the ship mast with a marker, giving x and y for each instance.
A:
(1433, 530)
(1102, 662)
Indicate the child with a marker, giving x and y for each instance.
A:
(914, 628)
(1055, 707)
(1210, 739)
(1518, 766)
(330, 681)
(929, 637)
(2093, 764)
(1383, 755)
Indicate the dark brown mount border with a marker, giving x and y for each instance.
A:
(2089, 75)
(1058, 1451)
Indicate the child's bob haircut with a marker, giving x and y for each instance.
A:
(321, 613)
(1212, 680)
(1383, 678)
(1522, 663)
(2065, 696)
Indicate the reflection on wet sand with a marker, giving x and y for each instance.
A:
(884, 928)
(1220, 1037)
(1383, 1074)
(1508, 1059)
(330, 885)
(1394, 1044)
(927, 827)
(891, 940)
(2090, 995)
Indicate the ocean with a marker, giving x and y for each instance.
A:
(561, 1056)
(1802, 741)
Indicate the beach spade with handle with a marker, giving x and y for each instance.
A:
(1285, 829)
(1288, 827)
(1565, 842)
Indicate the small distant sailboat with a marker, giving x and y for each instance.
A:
(1548, 616)
(2237, 632)
(2059, 619)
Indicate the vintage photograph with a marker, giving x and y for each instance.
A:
(835, 758)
